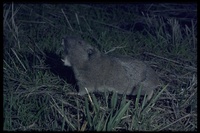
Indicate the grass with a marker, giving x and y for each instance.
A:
(36, 85)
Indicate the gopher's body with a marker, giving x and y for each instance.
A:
(98, 72)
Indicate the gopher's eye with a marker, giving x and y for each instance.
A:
(79, 42)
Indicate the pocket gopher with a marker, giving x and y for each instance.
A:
(98, 71)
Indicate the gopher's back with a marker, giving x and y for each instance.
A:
(120, 74)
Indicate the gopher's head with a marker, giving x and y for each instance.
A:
(77, 51)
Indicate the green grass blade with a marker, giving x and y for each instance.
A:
(114, 100)
(87, 111)
(153, 100)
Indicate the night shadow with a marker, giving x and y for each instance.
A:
(57, 67)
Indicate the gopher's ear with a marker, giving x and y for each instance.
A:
(90, 51)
